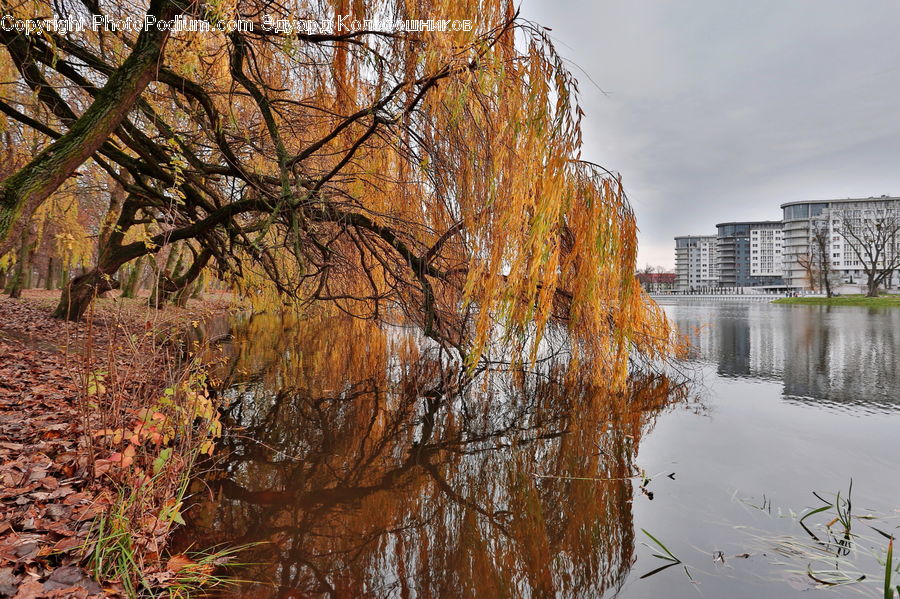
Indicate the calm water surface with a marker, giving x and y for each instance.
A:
(365, 469)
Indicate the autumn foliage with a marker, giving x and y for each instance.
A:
(425, 177)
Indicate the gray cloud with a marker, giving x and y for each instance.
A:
(723, 109)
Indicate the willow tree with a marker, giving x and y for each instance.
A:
(22, 192)
(433, 175)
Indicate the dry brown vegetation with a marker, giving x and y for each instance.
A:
(73, 435)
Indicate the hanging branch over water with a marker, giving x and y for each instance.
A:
(433, 176)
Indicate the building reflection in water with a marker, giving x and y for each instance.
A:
(841, 355)
(366, 468)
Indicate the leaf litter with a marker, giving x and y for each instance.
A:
(50, 490)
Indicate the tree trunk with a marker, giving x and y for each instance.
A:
(48, 284)
(134, 275)
(200, 287)
(22, 192)
(182, 296)
(78, 295)
(162, 281)
(83, 289)
(63, 276)
(871, 285)
(192, 274)
(116, 199)
(165, 288)
(28, 266)
(14, 284)
(19, 278)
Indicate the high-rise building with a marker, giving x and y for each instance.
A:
(766, 251)
(695, 262)
(750, 254)
(844, 227)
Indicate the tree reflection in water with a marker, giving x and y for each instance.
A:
(371, 468)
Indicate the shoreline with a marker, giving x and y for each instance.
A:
(883, 301)
(76, 450)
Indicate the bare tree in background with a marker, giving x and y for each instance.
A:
(822, 258)
(808, 263)
(874, 239)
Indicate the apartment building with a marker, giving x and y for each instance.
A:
(766, 252)
(695, 262)
(802, 220)
(749, 254)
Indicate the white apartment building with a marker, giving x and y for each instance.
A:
(743, 245)
(766, 251)
(803, 219)
(695, 262)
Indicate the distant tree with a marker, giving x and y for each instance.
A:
(874, 237)
(809, 263)
(821, 248)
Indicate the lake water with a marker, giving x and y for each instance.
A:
(363, 469)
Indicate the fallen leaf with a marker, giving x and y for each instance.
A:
(179, 562)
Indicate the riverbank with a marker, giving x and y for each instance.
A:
(100, 425)
(884, 301)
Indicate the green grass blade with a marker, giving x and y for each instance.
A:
(888, 563)
(815, 511)
(661, 546)
(658, 570)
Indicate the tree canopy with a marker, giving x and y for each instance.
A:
(429, 175)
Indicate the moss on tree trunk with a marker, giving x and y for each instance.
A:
(22, 192)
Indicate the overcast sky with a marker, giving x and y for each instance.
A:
(718, 110)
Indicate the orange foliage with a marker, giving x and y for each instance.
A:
(432, 177)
